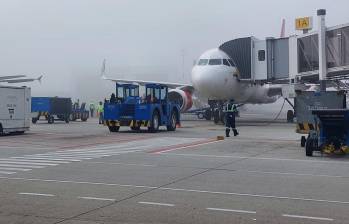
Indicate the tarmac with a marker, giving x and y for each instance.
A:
(80, 173)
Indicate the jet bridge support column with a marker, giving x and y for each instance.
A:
(322, 48)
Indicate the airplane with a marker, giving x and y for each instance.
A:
(18, 79)
(215, 77)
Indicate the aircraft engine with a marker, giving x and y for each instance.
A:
(184, 98)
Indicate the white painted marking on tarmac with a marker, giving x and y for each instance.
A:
(68, 157)
(184, 147)
(30, 160)
(5, 172)
(40, 158)
(17, 165)
(98, 199)
(308, 217)
(231, 210)
(16, 169)
(155, 203)
(28, 163)
(37, 194)
(182, 189)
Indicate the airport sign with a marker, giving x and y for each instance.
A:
(304, 23)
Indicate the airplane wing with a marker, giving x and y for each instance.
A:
(14, 79)
(171, 85)
(11, 77)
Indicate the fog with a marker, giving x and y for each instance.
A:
(67, 40)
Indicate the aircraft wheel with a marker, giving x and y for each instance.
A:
(303, 141)
(309, 148)
(290, 116)
(216, 116)
(208, 114)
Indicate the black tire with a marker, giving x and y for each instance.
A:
(136, 128)
(173, 122)
(50, 119)
(303, 141)
(208, 114)
(155, 122)
(19, 132)
(290, 116)
(309, 147)
(201, 116)
(222, 117)
(34, 120)
(1, 130)
(114, 128)
(216, 116)
(84, 117)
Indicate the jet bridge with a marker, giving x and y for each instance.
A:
(259, 60)
(290, 59)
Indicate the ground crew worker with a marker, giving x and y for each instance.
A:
(100, 110)
(92, 109)
(112, 98)
(230, 114)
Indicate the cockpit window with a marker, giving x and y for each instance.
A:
(215, 62)
(231, 62)
(225, 62)
(203, 62)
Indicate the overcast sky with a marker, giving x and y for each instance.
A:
(67, 39)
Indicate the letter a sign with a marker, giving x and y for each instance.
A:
(305, 23)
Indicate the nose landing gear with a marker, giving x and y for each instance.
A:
(218, 113)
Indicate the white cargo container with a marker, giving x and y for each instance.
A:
(15, 109)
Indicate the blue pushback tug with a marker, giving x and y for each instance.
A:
(152, 110)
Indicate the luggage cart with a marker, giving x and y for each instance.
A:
(331, 135)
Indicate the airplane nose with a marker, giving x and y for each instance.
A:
(202, 79)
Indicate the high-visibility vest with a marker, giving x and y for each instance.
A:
(100, 109)
(230, 108)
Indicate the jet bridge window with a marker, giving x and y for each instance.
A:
(225, 62)
(308, 53)
(203, 62)
(215, 62)
(261, 55)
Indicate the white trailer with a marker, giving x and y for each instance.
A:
(15, 109)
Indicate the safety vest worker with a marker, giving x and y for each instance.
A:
(100, 110)
(230, 114)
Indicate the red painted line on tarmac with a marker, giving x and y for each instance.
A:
(182, 146)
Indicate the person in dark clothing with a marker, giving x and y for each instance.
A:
(230, 114)
(112, 98)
